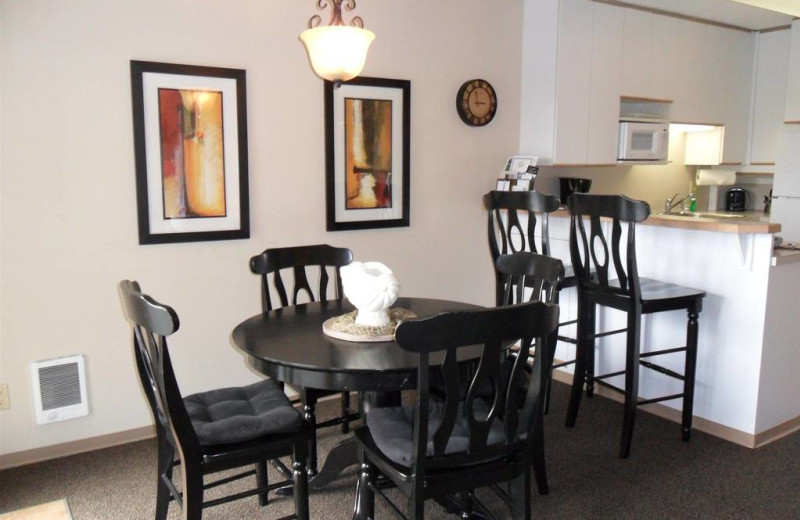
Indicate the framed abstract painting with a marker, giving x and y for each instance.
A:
(367, 153)
(190, 139)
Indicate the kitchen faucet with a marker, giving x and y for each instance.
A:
(671, 203)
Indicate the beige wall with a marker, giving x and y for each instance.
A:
(68, 201)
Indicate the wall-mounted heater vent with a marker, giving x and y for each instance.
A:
(59, 389)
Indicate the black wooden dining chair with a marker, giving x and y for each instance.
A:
(621, 288)
(528, 277)
(520, 221)
(211, 431)
(293, 266)
(446, 449)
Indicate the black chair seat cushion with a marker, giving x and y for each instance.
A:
(392, 430)
(229, 415)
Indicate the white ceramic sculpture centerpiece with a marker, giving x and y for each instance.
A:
(372, 288)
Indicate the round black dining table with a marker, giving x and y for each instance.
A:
(288, 345)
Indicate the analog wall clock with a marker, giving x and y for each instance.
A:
(476, 102)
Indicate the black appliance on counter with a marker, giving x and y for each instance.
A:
(570, 185)
(736, 199)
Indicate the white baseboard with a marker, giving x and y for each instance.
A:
(56, 451)
(748, 440)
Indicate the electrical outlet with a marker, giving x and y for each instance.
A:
(4, 403)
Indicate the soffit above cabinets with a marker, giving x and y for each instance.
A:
(728, 12)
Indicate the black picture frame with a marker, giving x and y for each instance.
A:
(191, 165)
(349, 190)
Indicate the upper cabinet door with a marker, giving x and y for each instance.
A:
(606, 84)
(728, 87)
(688, 39)
(667, 56)
(573, 84)
(792, 114)
(772, 72)
(637, 54)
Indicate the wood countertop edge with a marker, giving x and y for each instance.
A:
(712, 224)
(702, 224)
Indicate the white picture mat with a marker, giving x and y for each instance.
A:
(151, 82)
(395, 95)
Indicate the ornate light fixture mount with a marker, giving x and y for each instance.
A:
(337, 52)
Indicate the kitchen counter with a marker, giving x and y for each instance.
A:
(751, 222)
(747, 355)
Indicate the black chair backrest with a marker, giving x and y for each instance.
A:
(151, 323)
(273, 261)
(532, 204)
(495, 329)
(593, 250)
(507, 210)
(538, 273)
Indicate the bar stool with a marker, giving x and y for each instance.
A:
(630, 294)
(507, 211)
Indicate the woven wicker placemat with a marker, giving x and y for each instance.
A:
(345, 327)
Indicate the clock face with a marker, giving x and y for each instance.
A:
(476, 102)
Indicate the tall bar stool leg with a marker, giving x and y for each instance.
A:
(631, 379)
(582, 346)
(690, 370)
(591, 324)
(552, 343)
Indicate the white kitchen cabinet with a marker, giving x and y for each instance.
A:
(650, 55)
(771, 76)
(688, 71)
(571, 75)
(573, 81)
(579, 57)
(606, 84)
(666, 32)
(792, 111)
(728, 86)
(714, 83)
(637, 53)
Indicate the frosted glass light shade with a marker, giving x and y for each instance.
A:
(337, 52)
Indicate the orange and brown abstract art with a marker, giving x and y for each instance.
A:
(368, 163)
(192, 153)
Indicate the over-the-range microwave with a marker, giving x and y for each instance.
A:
(643, 141)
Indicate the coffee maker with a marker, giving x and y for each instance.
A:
(735, 199)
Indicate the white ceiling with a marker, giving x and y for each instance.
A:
(731, 12)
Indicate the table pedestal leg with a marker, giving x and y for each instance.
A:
(345, 453)
(341, 457)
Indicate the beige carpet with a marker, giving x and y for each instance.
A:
(57, 510)
(663, 479)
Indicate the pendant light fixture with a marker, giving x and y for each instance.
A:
(337, 51)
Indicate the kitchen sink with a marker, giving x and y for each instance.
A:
(702, 214)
